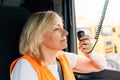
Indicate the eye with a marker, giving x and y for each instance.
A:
(58, 25)
(56, 29)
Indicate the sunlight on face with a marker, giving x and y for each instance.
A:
(55, 38)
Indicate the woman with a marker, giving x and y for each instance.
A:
(42, 41)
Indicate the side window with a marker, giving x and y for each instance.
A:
(88, 13)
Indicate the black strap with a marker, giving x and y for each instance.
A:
(60, 70)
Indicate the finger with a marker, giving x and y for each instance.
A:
(85, 50)
(85, 42)
(85, 37)
(86, 47)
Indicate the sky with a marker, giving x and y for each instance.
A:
(93, 9)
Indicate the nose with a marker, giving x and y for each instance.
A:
(65, 33)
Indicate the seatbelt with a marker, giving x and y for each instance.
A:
(60, 70)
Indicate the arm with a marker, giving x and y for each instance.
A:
(91, 62)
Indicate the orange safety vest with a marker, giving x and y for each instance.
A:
(43, 72)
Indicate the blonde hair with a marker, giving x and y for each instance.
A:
(34, 30)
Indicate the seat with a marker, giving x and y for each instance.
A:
(12, 20)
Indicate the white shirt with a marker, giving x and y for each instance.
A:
(24, 71)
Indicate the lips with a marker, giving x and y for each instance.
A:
(64, 40)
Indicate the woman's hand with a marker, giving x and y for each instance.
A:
(85, 44)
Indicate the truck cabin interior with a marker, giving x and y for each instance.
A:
(12, 19)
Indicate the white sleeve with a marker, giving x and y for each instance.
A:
(23, 71)
(72, 58)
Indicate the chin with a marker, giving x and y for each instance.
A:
(65, 47)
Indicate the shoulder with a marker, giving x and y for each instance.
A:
(22, 62)
(22, 69)
(66, 53)
(71, 57)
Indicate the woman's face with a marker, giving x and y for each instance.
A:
(55, 38)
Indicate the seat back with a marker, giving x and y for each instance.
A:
(12, 20)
